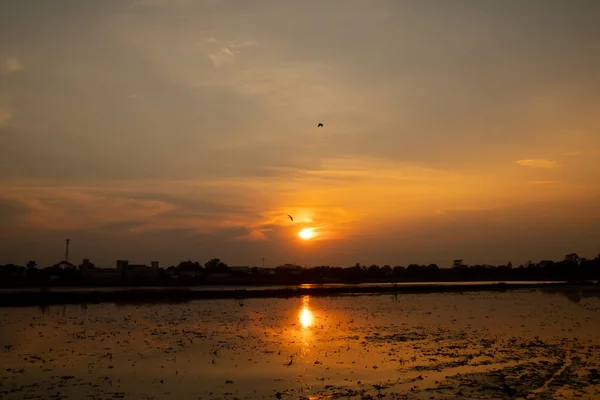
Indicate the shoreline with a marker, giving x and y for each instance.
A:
(45, 297)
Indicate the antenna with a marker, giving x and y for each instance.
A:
(67, 250)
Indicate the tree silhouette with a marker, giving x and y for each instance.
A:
(573, 259)
(215, 265)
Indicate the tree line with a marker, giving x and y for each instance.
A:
(570, 268)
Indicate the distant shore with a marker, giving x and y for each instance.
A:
(54, 296)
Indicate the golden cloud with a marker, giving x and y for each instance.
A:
(538, 163)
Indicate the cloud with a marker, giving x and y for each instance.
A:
(168, 220)
(131, 207)
(5, 110)
(5, 115)
(66, 208)
(543, 182)
(324, 198)
(11, 64)
(160, 3)
(340, 197)
(224, 53)
(11, 211)
(238, 44)
(573, 153)
(254, 235)
(538, 163)
(221, 57)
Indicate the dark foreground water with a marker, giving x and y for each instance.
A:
(202, 288)
(515, 344)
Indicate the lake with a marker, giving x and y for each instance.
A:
(541, 343)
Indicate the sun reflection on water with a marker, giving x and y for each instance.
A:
(306, 317)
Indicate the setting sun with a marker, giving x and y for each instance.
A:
(306, 234)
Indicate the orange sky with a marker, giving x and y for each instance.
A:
(169, 130)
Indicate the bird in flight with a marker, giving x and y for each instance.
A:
(292, 219)
(320, 125)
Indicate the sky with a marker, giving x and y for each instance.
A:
(171, 130)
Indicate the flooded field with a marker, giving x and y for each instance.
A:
(532, 343)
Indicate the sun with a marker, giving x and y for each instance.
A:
(306, 234)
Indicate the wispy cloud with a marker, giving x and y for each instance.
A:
(160, 3)
(181, 206)
(338, 197)
(574, 153)
(11, 64)
(253, 235)
(222, 53)
(543, 182)
(325, 198)
(5, 111)
(221, 57)
(5, 115)
(538, 163)
(81, 208)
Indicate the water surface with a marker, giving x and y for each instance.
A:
(67, 289)
(536, 343)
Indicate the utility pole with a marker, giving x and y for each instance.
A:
(263, 262)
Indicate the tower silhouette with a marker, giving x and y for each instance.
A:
(65, 262)
(67, 250)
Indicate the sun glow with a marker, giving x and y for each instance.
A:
(306, 234)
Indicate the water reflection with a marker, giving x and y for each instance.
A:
(302, 347)
(307, 318)
(576, 295)
(306, 335)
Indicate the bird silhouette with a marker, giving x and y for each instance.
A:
(320, 125)
(292, 219)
